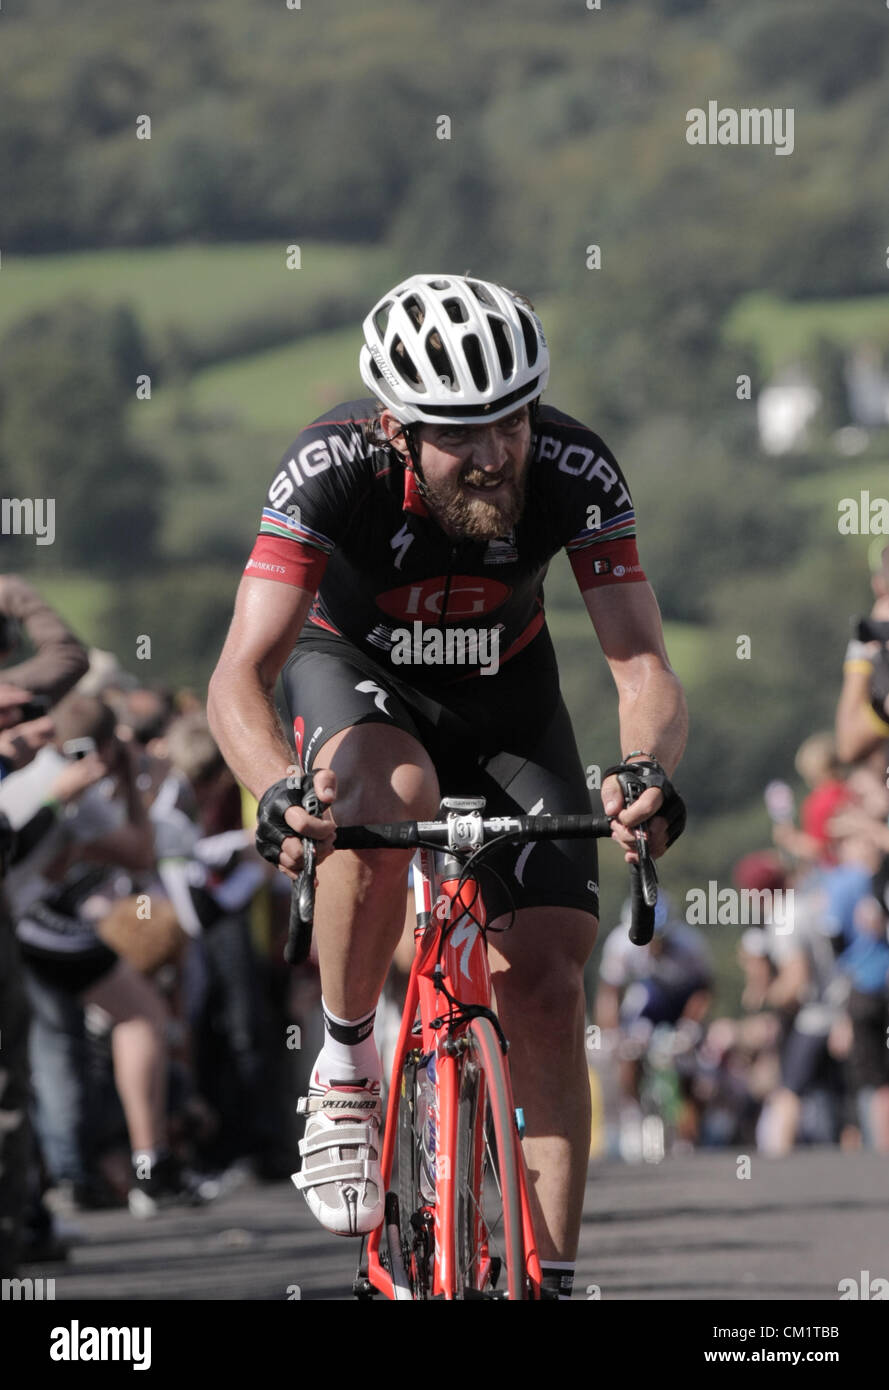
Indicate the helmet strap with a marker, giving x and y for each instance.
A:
(410, 433)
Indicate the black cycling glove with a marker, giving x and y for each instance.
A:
(636, 777)
(272, 828)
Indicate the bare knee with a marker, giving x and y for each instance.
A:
(538, 967)
(383, 775)
(126, 996)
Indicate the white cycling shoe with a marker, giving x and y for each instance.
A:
(340, 1176)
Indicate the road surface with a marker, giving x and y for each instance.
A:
(687, 1228)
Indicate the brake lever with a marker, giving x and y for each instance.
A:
(643, 876)
(302, 897)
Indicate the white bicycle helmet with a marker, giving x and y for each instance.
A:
(452, 348)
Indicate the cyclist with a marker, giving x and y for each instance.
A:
(667, 984)
(398, 573)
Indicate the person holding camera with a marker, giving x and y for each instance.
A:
(60, 892)
(862, 717)
(27, 690)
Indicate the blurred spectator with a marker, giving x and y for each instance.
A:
(664, 985)
(57, 662)
(238, 1068)
(862, 718)
(788, 975)
(95, 824)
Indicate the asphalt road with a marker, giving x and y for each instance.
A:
(688, 1228)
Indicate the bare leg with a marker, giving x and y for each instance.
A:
(879, 1119)
(383, 774)
(538, 982)
(785, 1114)
(138, 1046)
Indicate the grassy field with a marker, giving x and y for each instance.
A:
(201, 290)
(279, 390)
(781, 330)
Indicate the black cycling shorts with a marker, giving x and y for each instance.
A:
(506, 737)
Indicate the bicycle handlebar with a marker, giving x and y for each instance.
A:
(464, 831)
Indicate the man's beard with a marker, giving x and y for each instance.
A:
(470, 516)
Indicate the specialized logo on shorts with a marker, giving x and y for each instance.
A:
(380, 696)
(522, 860)
(310, 746)
(467, 597)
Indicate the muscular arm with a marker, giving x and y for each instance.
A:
(652, 708)
(267, 620)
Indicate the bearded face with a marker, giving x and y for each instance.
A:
(477, 475)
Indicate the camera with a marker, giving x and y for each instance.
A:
(869, 630)
(75, 748)
(35, 708)
(10, 633)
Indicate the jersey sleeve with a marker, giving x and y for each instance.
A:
(595, 513)
(309, 504)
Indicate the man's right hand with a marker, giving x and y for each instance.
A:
(321, 829)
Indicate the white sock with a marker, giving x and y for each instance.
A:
(350, 1051)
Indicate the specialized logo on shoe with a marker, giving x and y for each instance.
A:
(380, 696)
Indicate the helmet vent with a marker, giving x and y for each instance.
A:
(381, 318)
(502, 344)
(529, 333)
(415, 309)
(439, 284)
(456, 311)
(404, 365)
(438, 356)
(473, 349)
(483, 294)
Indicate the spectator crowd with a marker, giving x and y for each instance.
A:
(152, 1036)
(808, 1059)
(153, 1041)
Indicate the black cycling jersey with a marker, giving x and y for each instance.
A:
(345, 521)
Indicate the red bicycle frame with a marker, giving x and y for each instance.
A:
(455, 909)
